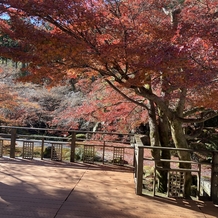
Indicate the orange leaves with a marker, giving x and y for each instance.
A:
(102, 104)
(79, 36)
(139, 79)
(208, 98)
(72, 73)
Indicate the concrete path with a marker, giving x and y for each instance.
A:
(46, 189)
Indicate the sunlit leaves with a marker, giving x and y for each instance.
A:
(164, 46)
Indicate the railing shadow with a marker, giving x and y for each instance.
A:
(75, 165)
(206, 207)
(35, 188)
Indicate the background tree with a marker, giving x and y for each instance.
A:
(29, 104)
(102, 104)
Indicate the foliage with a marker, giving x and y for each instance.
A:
(9, 99)
(103, 104)
(175, 49)
(208, 139)
(29, 104)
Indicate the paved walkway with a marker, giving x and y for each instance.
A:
(66, 190)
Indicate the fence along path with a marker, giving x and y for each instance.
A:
(119, 153)
(95, 146)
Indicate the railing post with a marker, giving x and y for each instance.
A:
(1, 147)
(199, 182)
(103, 152)
(133, 159)
(42, 149)
(214, 182)
(13, 142)
(73, 146)
(135, 163)
(154, 180)
(139, 170)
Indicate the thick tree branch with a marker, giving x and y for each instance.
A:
(124, 95)
(157, 100)
(208, 116)
(193, 111)
(181, 103)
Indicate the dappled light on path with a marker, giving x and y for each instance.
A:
(60, 190)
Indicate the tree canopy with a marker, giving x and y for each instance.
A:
(161, 50)
(133, 43)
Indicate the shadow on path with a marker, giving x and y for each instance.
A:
(50, 189)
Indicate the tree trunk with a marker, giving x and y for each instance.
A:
(165, 154)
(180, 142)
(155, 133)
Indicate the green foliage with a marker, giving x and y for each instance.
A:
(66, 154)
(81, 136)
(209, 138)
(5, 40)
(37, 152)
(79, 153)
(47, 152)
(148, 177)
(212, 144)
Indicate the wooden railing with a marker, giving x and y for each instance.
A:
(101, 141)
(128, 144)
(139, 155)
(140, 158)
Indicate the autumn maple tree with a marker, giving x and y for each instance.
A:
(165, 52)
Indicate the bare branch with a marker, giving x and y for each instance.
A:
(193, 111)
(208, 116)
(125, 96)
